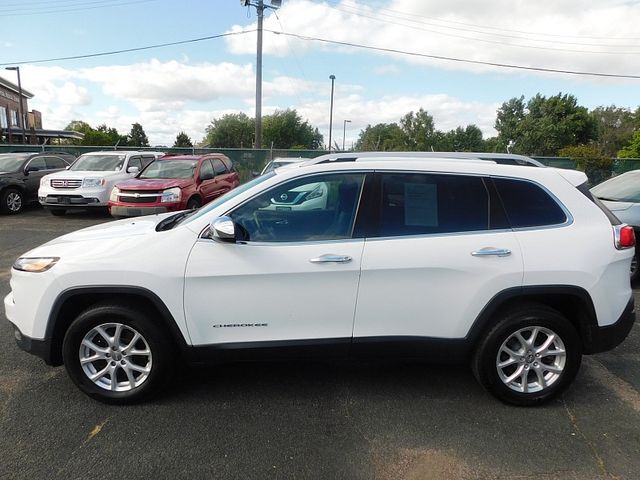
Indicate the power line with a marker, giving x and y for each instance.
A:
(484, 40)
(488, 27)
(45, 11)
(127, 50)
(452, 59)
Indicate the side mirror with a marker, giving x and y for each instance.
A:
(223, 228)
(255, 174)
(133, 170)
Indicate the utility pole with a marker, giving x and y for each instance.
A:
(333, 79)
(344, 132)
(258, 141)
(260, 8)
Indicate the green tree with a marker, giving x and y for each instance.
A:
(285, 129)
(99, 136)
(615, 127)
(546, 124)
(381, 137)
(468, 139)
(137, 137)
(183, 140)
(419, 131)
(233, 130)
(632, 150)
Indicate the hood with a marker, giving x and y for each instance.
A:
(80, 174)
(617, 206)
(154, 183)
(126, 228)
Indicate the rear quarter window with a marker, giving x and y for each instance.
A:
(527, 204)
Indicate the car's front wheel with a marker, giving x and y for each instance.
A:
(529, 356)
(12, 201)
(116, 354)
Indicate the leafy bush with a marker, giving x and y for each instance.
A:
(591, 161)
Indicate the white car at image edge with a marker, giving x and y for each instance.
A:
(454, 260)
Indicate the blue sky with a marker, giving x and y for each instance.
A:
(184, 87)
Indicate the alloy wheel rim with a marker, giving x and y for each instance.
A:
(115, 357)
(531, 359)
(14, 201)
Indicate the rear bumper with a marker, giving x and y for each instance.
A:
(598, 339)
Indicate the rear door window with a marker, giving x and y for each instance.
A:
(54, 163)
(218, 167)
(527, 204)
(419, 204)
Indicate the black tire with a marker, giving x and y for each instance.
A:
(193, 203)
(485, 359)
(634, 271)
(12, 201)
(58, 212)
(160, 361)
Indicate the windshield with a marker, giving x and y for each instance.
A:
(98, 163)
(623, 188)
(170, 169)
(228, 196)
(11, 162)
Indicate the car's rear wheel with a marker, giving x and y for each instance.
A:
(58, 212)
(12, 201)
(532, 354)
(116, 354)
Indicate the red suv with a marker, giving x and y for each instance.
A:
(174, 183)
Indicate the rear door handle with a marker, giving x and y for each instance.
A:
(330, 258)
(492, 252)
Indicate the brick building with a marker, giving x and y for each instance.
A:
(11, 125)
(10, 121)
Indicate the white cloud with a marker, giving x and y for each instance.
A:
(546, 33)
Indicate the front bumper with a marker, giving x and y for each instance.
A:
(137, 211)
(40, 348)
(70, 201)
(598, 339)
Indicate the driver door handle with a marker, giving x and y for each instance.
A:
(330, 258)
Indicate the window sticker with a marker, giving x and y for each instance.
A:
(421, 205)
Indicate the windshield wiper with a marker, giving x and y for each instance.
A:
(170, 222)
(607, 199)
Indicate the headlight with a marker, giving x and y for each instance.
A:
(171, 195)
(93, 182)
(114, 194)
(44, 181)
(35, 264)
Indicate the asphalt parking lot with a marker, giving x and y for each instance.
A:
(308, 420)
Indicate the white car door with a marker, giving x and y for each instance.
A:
(437, 256)
(291, 277)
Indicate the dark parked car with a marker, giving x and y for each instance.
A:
(621, 195)
(20, 175)
(174, 183)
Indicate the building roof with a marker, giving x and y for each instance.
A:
(14, 88)
(39, 132)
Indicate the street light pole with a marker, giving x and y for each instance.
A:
(344, 132)
(17, 70)
(333, 79)
(258, 140)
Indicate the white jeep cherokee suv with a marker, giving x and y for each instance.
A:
(89, 181)
(514, 269)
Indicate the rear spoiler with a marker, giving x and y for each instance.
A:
(574, 177)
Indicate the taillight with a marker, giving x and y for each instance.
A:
(624, 236)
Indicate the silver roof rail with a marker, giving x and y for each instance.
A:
(500, 158)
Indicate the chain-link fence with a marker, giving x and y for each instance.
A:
(249, 161)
